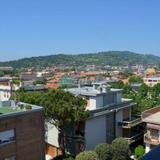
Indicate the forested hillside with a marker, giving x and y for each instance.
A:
(101, 58)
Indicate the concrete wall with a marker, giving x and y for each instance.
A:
(95, 131)
(99, 101)
(119, 118)
(108, 99)
(91, 104)
(51, 135)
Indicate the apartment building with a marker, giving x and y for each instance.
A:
(21, 131)
(152, 119)
(110, 115)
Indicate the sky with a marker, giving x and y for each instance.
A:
(43, 27)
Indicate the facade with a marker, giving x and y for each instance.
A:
(151, 81)
(110, 116)
(21, 131)
(6, 88)
(51, 139)
(152, 119)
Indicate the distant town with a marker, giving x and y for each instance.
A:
(109, 112)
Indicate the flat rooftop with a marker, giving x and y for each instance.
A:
(5, 110)
(11, 107)
(90, 91)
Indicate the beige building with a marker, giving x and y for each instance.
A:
(152, 119)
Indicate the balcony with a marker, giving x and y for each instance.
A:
(134, 138)
(151, 139)
(130, 123)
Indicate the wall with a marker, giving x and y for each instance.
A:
(108, 98)
(95, 131)
(99, 101)
(52, 135)
(29, 143)
(5, 93)
(119, 118)
(91, 103)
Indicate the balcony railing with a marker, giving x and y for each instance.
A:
(151, 140)
(134, 138)
(130, 123)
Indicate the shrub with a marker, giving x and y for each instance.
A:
(28, 107)
(120, 149)
(104, 151)
(87, 155)
(139, 152)
(61, 157)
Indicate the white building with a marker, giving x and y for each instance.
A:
(6, 88)
(151, 81)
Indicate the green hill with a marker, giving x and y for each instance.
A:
(100, 58)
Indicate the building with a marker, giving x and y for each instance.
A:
(150, 72)
(52, 144)
(110, 116)
(6, 88)
(151, 81)
(27, 76)
(6, 68)
(21, 131)
(152, 119)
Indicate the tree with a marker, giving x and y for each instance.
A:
(120, 149)
(1, 73)
(104, 151)
(135, 79)
(64, 109)
(139, 152)
(87, 155)
(116, 85)
(143, 90)
(28, 97)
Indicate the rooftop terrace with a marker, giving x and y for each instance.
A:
(11, 107)
(4, 110)
(91, 91)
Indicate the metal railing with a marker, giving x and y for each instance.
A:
(134, 137)
(131, 123)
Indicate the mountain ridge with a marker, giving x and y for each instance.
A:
(99, 58)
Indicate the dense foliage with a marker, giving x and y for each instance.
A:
(146, 97)
(104, 151)
(135, 79)
(101, 58)
(87, 155)
(118, 150)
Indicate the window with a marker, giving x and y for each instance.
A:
(154, 133)
(10, 158)
(7, 136)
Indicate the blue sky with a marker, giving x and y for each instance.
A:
(42, 27)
